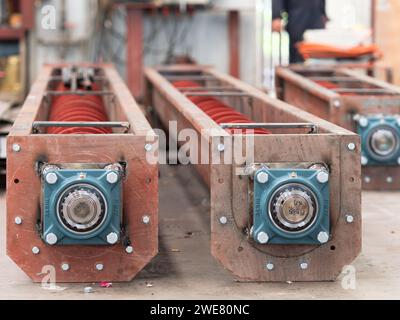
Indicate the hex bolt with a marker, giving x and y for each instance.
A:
(389, 180)
(51, 238)
(35, 250)
(112, 238)
(323, 176)
(262, 177)
(363, 122)
(262, 237)
(323, 237)
(398, 122)
(367, 180)
(99, 267)
(112, 177)
(129, 249)
(51, 178)
(223, 220)
(148, 147)
(364, 160)
(221, 147)
(351, 146)
(65, 267)
(349, 218)
(146, 219)
(303, 265)
(16, 147)
(270, 266)
(18, 220)
(337, 103)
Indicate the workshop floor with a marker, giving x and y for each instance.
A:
(185, 269)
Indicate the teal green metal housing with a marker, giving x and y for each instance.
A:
(367, 127)
(63, 182)
(286, 180)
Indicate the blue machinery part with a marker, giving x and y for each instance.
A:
(291, 206)
(380, 139)
(81, 206)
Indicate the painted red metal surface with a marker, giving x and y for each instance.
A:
(75, 108)
(218, 111)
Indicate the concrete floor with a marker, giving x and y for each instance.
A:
(185, 269)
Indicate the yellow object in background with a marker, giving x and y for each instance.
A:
(16, 20)
(11, 83)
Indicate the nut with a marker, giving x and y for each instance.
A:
(262, 177)
(351, 146)
(323, 237)
(323, 176)
(112, 238)
(51, 178)
(262, 237)
(99, 267)
(16, 147)
(129, 249)
(349, 218)
(112, 177)
(146, 219)
(51, 238)
(223, 220)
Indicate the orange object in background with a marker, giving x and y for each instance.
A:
(311, 50)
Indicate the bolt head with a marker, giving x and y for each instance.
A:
(364, 160)
(148, 147)
(112, 238)
(351, 146)
(223, 220)
(129, 249)
(337, 104)
(303, 265)
(112, 177)
(389, 180)
(88, 290)
(270, 266)
(35, 250)
(363, 122)
(349, 218)
(262, 177)
(262, 237)
(367, 180)
(16, 147)
(221, 147)
(99, 267)
(51, 238)
(18, 220)
(398, 122)
(398, 161)
(323, 176)
(65, 266)
(323, 237)
(51, 178)
(146, 219)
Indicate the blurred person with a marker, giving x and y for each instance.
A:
(302, 15)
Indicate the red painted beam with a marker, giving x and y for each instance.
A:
(134, 51)
(234, 43)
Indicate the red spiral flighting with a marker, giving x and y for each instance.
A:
(76, 108)
(218, 111)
